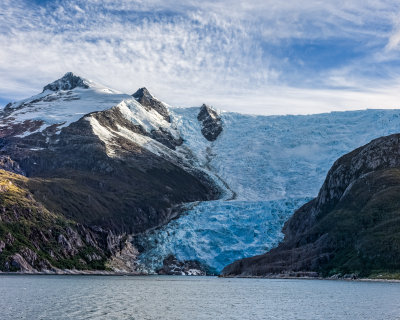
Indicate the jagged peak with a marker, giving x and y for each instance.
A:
(142, 92)
(147, 100)
(68, 82)
(211, 122)
(206, 110)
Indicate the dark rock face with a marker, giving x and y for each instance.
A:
(211, 123)
(172, 266)
(13, 129)
(68, 82)
(74, 175)
(166, 138)
(352, 227)
(144, 97)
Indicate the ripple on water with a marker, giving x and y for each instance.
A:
(168, 297)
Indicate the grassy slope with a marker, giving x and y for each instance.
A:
(30, 225)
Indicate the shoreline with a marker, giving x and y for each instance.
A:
(314, 278)
(73, 273)
(130, 274)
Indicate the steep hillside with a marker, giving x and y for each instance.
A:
(114, 168)
(353, 226)
(33, 238)
(99, 159)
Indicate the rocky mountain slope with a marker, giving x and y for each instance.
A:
(211, 123)
(352, 226)
(114, 170)
(33, 238)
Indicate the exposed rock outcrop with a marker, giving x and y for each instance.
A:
(211, 122)
(68, 82)
(125, 258)
(172, 266)
(352, 227)
(144, 97)
(6, 163)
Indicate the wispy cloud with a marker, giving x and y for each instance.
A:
(259, 57)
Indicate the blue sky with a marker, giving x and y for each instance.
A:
(265, 57)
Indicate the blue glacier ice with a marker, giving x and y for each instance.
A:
(271, 165)
(218, 232)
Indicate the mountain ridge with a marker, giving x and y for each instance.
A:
(111, 168)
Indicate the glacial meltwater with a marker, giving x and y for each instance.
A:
(179, 297)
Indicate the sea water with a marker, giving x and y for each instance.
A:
(180, 297)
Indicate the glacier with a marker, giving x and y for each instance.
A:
(270, 166)
(218, 232)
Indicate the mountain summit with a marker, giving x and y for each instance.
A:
(90, 168)
(68, 82)
(146, 99)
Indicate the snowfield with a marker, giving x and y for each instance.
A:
(65, 106)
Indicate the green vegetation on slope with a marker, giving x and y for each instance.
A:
(364, 227)
(43, 239)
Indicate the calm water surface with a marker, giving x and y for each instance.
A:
(168, 297)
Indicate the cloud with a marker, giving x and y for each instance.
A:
(256, 57)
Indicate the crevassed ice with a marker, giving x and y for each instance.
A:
(218, 232)
(272, 164)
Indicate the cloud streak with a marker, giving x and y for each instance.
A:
(258, 57)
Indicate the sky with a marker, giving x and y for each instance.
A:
(260, 57)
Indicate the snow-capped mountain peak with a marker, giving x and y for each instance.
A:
(62, 102)
(141, 121)
(68, 82)
(147, 100)
(142, 92)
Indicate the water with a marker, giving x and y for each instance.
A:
(169, 297)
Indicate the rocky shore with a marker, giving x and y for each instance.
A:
(316, 276)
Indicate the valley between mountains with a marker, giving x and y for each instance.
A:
(97, 180)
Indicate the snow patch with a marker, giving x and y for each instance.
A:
(149, 119)
(103, 133)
